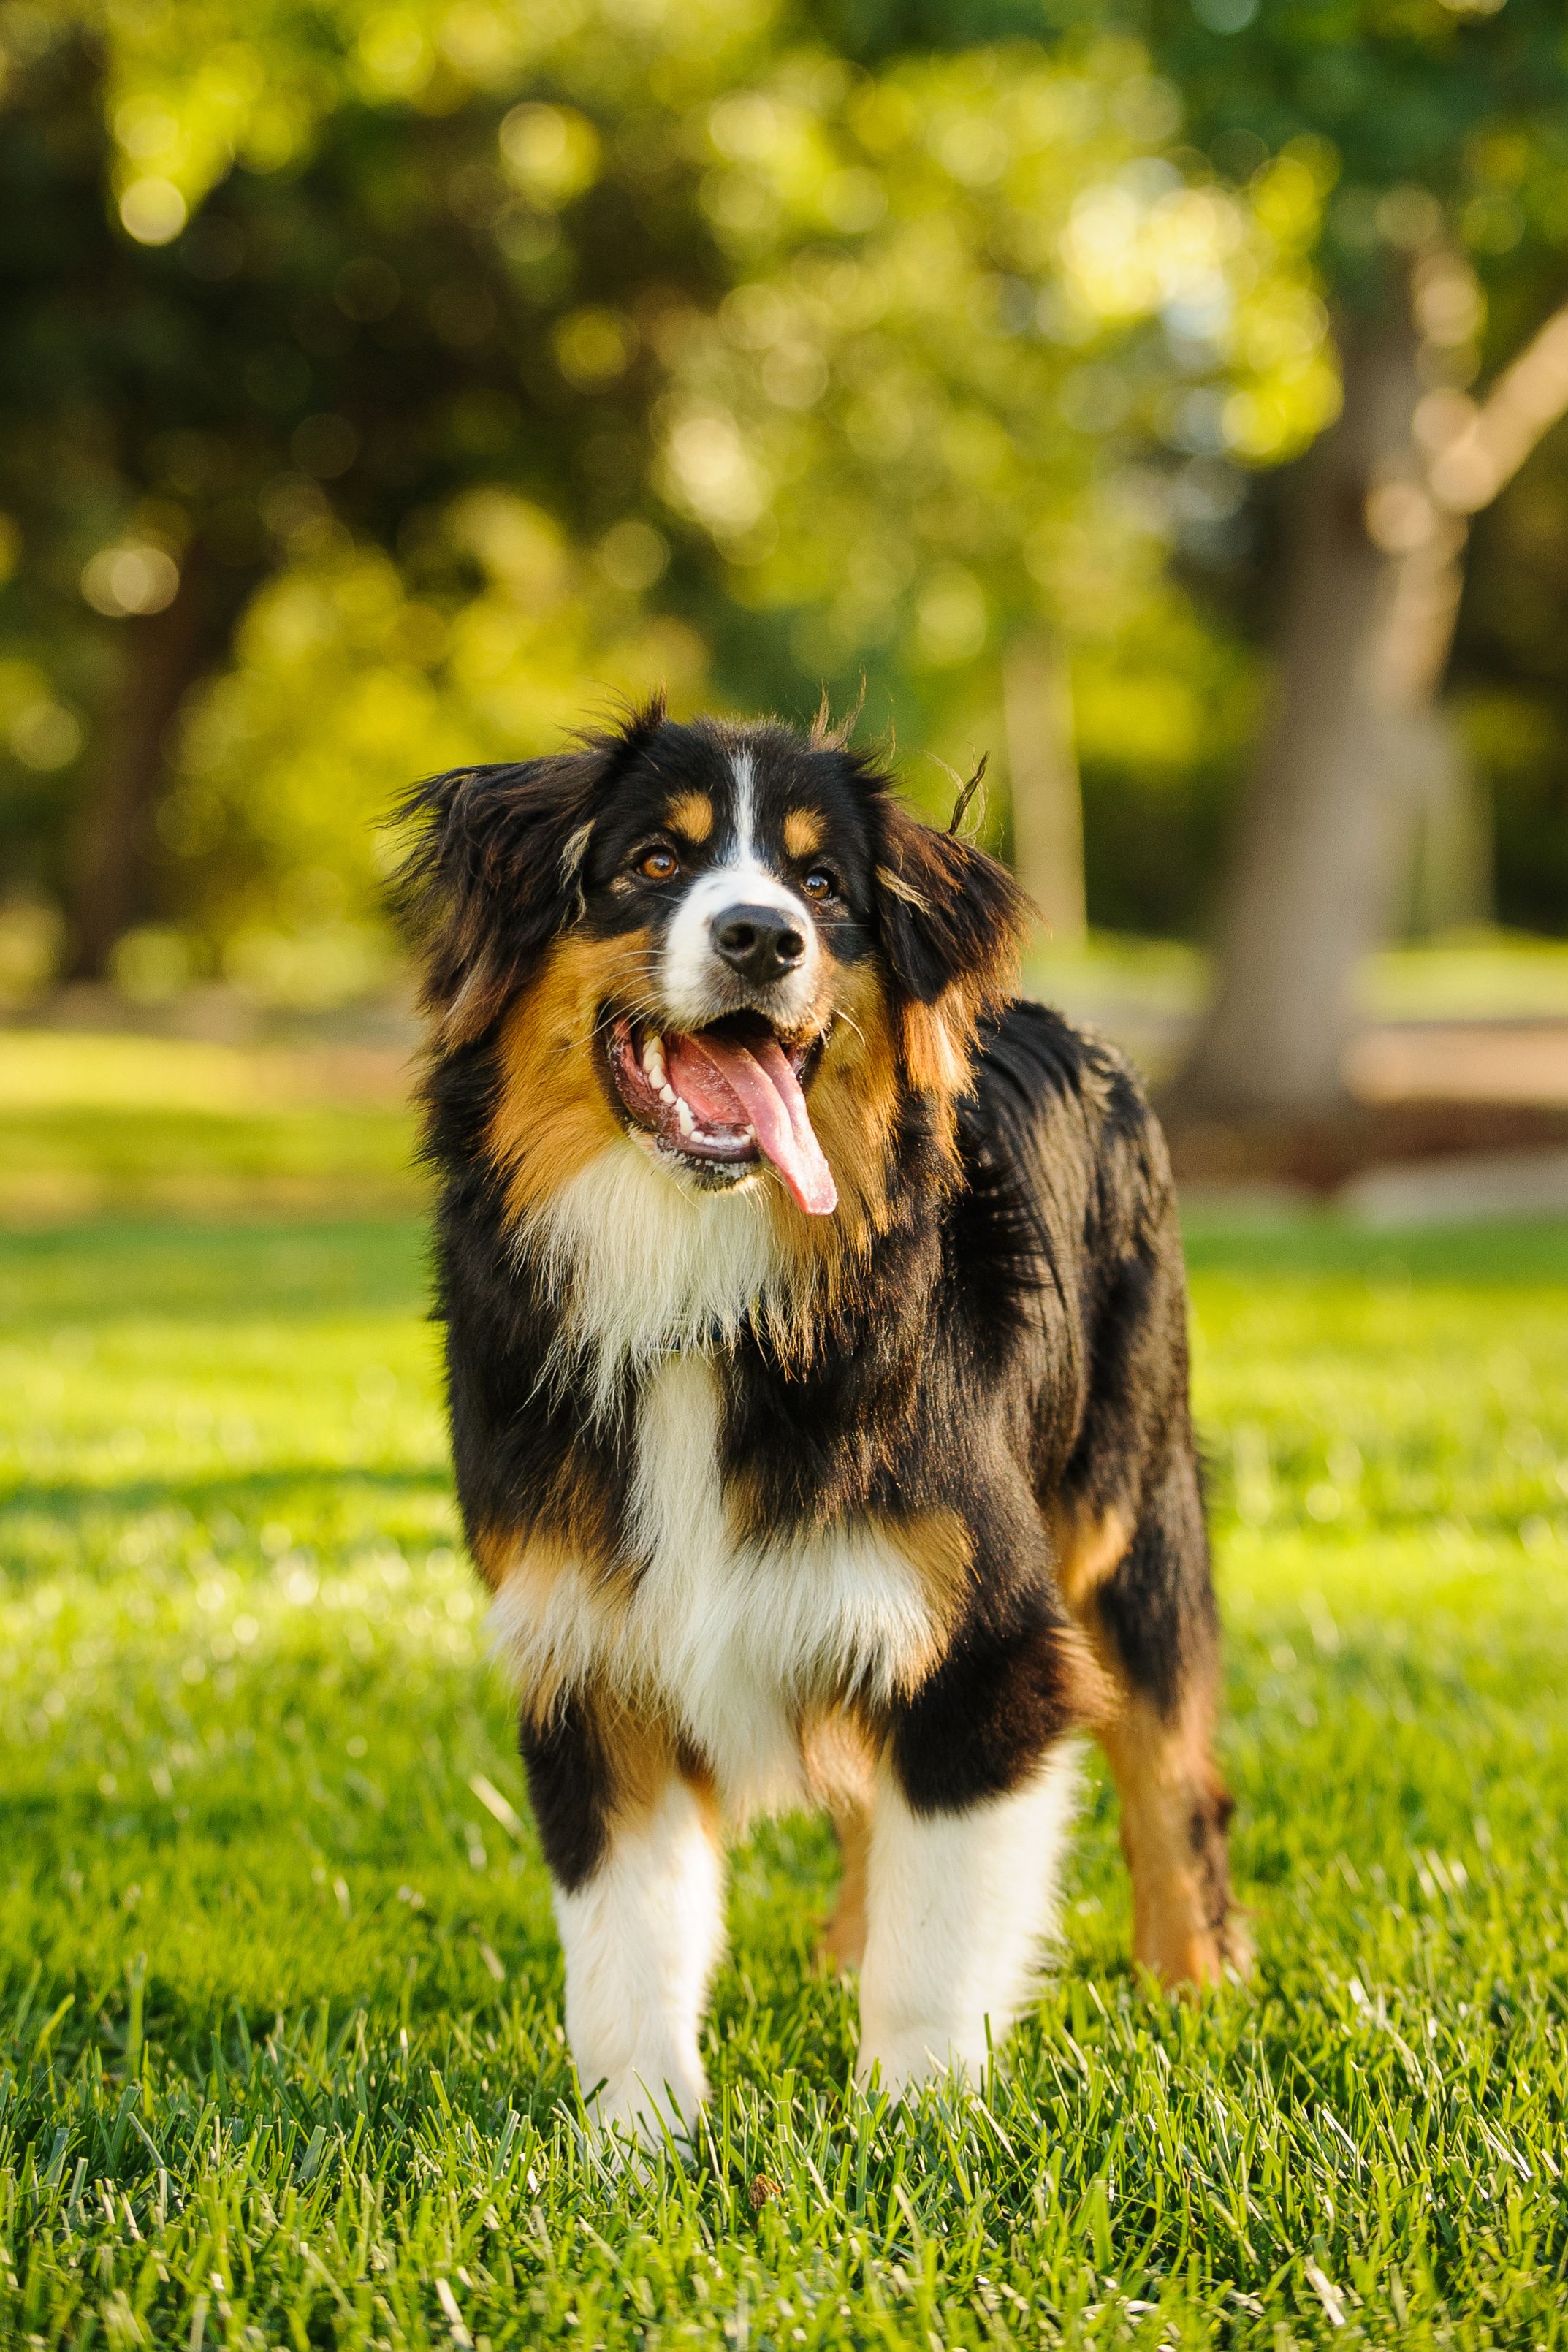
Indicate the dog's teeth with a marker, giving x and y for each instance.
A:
(653, 1060)
(667, 1094)
(683, 1117)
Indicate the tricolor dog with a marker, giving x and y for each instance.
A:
(817, 1372)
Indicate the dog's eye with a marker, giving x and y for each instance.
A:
(658, 865)
(818, 884)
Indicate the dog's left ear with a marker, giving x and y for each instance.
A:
(953, 920)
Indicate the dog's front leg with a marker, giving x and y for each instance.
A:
(960, 1901)
(631, 1842)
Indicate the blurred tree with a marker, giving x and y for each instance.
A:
(473, 360)
(1444, 124)
(1446, 128)
(397, 287)
(436, 343)
(981, 318)
(1509, 684)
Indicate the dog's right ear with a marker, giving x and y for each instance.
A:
(492, 878)
(493, 872)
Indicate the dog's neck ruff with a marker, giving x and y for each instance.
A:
(642, 1268)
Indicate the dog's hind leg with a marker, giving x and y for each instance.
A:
(1174, 1810)
(840, 1772)
(843, 1937)
(1148, 1606)
(629, 1836)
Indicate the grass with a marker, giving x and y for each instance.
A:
(280, 2051)
(91, 1122)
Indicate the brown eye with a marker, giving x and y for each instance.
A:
(818, 884)
(658, 865)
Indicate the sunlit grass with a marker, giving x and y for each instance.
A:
(281, 2056)
(91, 1122)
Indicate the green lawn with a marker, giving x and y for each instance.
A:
(282, 2060)
(92, 1122)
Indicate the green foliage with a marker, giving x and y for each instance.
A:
(1433, 111)
(474, 365)
(961, 282)
(282, 2052)
(377, 317)
(354, 675)
(478, 360)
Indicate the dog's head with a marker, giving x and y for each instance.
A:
(727, 944)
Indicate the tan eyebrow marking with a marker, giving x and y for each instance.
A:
(803, 832)
(692, 815)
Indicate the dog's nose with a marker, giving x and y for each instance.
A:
(761, 943)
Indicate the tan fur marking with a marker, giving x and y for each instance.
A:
(527, 1568)
(938, 1040)
(841, 1773)
(492, 1550)
(1168, 1783)
(691, 815)
(843, 1937)
(940, 1551)
(1163, 1771)
(641, 1756)
(1090, 1546)
(552, 1115)
(803, 832)
(839, 1757)
(1092, 1694)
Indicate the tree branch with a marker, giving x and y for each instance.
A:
(1485, 446)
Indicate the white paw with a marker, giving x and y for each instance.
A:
(905, 2062)
(645, 2112)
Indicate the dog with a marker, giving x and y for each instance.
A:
(816, 1367)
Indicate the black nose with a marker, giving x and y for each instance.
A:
(761, 943)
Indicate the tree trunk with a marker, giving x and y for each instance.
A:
(1042, 772)
(1357, 743)
(1369, 600)
(163, 654)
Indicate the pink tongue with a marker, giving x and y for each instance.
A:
(728, 1085)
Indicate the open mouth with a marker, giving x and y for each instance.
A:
(724, 1099)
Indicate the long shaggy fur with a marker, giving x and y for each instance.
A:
(874, 1507)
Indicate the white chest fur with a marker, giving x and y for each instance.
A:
(741, 1637)
(733, 1640)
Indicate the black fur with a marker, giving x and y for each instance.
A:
(572, 1786)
